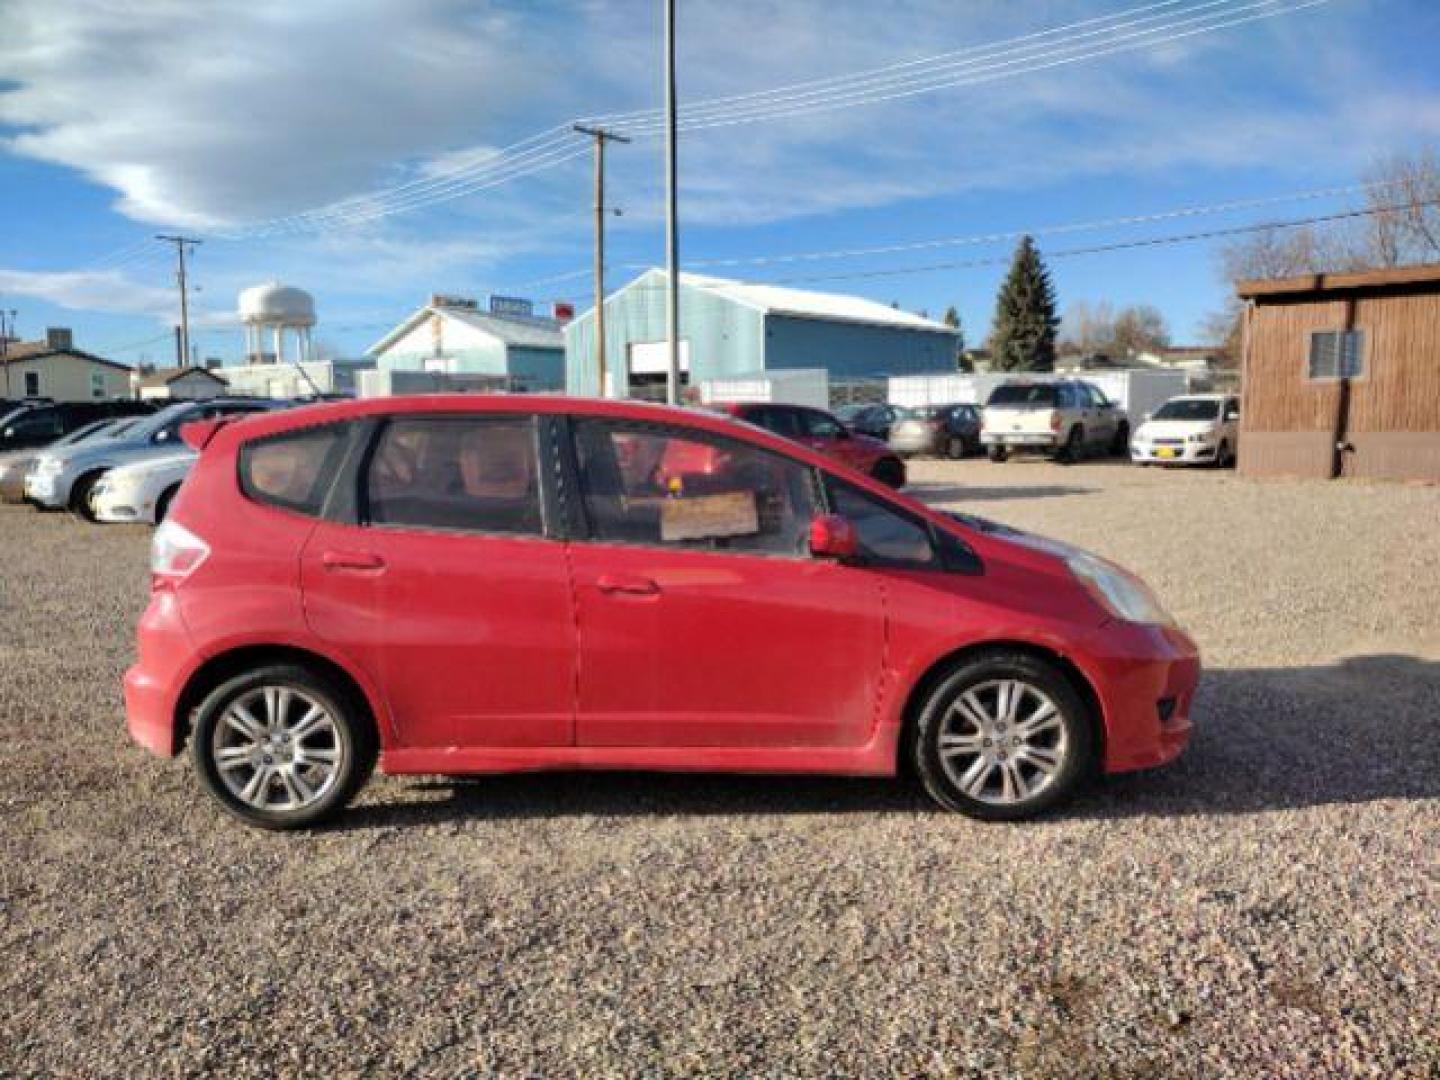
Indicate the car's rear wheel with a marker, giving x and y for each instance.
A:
(282, 747)
(1120, 444)
(80, 493)
(889, 471)
(1003, 736)
(955, 447)
(998, 454)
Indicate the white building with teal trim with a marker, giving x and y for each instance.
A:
(453, 336)
(735, 328)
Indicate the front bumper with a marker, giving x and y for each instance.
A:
(119, 505)
(1146, 678)
(47, 490)
(1170, 454)
(908, 445)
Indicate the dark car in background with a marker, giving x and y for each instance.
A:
(821, 431)
(43, 422)
(951, 431)
(874, 419)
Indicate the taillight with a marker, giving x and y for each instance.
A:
(1054, 421)
(175, 554)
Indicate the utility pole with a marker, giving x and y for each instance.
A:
(7, 327)
(183, 343)
(601, 137)
(672, 236)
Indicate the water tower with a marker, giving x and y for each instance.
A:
(273, 309)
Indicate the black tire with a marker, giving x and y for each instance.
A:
(954, 448)
(998, 454)
(1073, 734)
(80, 495)
(162, 504)
(1069, 454)
(351, 737)
(1120, 444)
(890, 471)
(1223, 457)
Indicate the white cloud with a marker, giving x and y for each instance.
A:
(108, 291)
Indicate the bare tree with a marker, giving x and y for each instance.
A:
(1404, 226)
(1140, 329)
(1088, 327)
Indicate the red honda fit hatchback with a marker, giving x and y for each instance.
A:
(465, 584)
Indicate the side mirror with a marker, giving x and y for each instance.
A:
(833, 537)
(1232, 415)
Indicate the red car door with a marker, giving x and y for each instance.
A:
(703, 620)
(447, 592)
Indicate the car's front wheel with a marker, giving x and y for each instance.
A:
(282, 747)
(1003, 736)
(998, 454)
(81, 504)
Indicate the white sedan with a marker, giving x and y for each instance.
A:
(1197, 429)
(142, 491)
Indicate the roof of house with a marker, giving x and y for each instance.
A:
(166, 376)
(16, 351)
(1399, 277)
(534, 333)
(801, 303)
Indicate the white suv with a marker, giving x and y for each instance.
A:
(1065, 419)
(1196, 429)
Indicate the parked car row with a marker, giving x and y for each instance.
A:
(126, 468)
(1065, 420)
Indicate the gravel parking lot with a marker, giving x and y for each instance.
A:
(1270, 906)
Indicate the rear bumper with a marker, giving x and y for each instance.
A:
(154, 683)
(1020, 441)
(49, 490)
(1146, 679)
(914, 444)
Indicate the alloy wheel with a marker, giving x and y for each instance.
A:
(1003, 742)
(278, 749)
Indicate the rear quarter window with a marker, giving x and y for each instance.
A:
(292, 470)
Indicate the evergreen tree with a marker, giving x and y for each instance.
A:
(951, 319)
(1023, 338)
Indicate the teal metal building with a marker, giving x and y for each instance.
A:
(734, 328)
(453, 336)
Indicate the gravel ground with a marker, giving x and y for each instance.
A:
(1270, 905)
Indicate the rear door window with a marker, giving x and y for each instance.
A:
(476, 474)
(819, 425)
(293, 470)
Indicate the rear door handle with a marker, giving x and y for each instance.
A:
(351, 560)
(627, 583)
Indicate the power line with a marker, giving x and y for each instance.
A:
(546, 149)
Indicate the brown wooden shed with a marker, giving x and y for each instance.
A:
(1342, 375)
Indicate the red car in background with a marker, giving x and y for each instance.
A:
(822, 432)
(472, 584)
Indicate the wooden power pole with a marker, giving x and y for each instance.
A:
(183, 342)
(601, 136)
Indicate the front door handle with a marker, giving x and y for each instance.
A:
(632, 584)
(352, 560)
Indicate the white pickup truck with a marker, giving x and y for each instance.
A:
(1066, 420)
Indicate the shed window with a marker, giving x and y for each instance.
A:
(32, 384)
(1337, 354)
(97, 384)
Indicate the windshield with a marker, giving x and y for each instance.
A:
(1020, 395)
(1188, 409)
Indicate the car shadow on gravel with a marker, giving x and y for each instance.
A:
(968, 493)
(1265, 740)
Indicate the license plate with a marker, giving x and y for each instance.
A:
(1165, 451)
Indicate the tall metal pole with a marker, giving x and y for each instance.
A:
(184, 342)
(601, 136)
(672, 236)
(5, 331)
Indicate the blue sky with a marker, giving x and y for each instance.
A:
(211, 117)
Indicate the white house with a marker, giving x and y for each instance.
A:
(180, 384)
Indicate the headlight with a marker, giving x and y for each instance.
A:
(1122, 594)
(1201, 437)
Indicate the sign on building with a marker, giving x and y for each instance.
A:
(511, 305)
